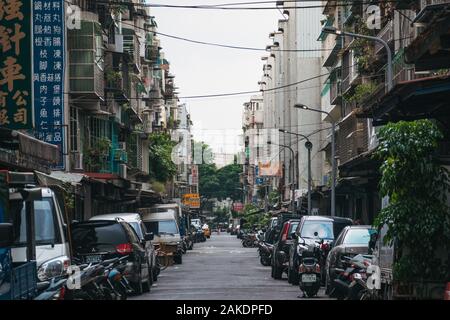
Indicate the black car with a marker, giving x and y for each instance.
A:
(286, 224)
(319, 230)
(98, 240)
(353, 240)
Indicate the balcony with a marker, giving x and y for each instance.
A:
(386, 34)
(352, 138)
(429, 50)
(414, 95)
(404, 4)
(335, 87)
(131, 46)
(336, 46)
(86, 74)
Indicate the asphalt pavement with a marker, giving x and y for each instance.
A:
(221, 269)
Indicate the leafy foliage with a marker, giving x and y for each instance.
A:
(417, 216)
(161, 166)
(361, 92)
(220, 183)
(254, 217)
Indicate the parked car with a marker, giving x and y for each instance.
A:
(98, 240)
(134, 219)
(353, 240)
(51, 243)
(280, 256)
(314, 230)
(164, 226)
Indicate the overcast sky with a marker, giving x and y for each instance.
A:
(201, 70)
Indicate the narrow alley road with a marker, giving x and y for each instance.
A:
(219, 269)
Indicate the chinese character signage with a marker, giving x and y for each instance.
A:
(48, 61)
(15, 64)
(191, 200)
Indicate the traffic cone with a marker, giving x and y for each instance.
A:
(447, 292)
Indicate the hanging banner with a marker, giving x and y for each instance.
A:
(48, 73)
(15, 65)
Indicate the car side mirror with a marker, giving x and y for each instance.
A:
(301, 241)
(293, 235)
(149, 236)
(6, 235)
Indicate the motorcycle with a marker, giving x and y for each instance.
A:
(309, 269)
(250, 241)
(350, 282)
(52, 290)
(359, 288)
(265, 251)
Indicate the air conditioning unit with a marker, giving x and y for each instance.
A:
(77, 161)
(118, 39)
(123, 171)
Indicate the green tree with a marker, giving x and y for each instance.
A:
(161, 166)
(417, 185)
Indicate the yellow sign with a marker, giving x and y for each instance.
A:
(192, 200)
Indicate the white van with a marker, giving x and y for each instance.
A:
(52, 247)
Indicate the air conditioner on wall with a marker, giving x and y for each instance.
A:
(123, 171)
(77, 161)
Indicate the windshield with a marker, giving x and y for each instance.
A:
(162, 227)
(317, 230)
(358, 236)
(46, 231)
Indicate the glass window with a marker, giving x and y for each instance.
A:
(358, 236)
(103, 235)
(292, 228)
(162, 227)
(137, 228)
(46, 230)
(317, 230)
(132, 233)
(168, 226)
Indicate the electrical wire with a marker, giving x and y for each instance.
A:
(236, 7)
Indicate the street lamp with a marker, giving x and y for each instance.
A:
(308, 146)
(390, 77)
(333, 154)
(292, 167)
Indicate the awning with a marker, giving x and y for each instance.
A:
(61, 179)
(31, 146)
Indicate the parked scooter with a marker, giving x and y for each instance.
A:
(249, 240)
(52, 290)
(350, 282)
(309, 269)
(265, 251)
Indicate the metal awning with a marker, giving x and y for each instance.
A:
(30, 146)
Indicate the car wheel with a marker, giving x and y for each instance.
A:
(293, 277)
(147, 284)
(137, 287)
(178, 259)
(277, 271)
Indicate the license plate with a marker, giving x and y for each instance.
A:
(308, 278)
(93, 258)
